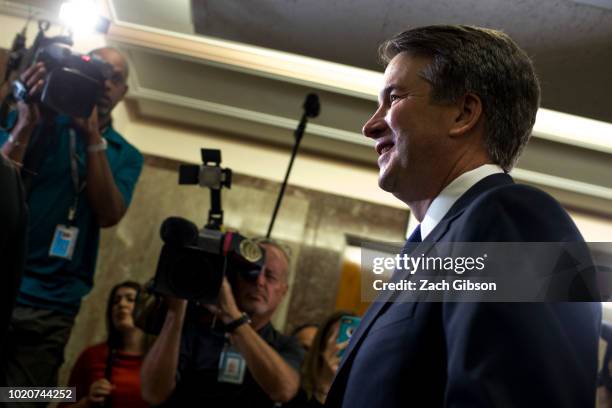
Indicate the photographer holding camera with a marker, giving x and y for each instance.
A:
(246, 364)
(80, 177)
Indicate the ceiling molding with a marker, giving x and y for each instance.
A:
(253, 60)
(328, 76)
(251, 116)
(559, 183)
(586, 142)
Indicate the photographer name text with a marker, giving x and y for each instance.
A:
(459, 285)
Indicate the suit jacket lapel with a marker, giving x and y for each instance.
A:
(382, 302)
(369, 317)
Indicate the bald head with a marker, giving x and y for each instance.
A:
(115, 87)
(109, 54)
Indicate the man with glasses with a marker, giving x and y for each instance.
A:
(81, 174)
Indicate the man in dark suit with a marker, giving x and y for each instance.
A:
(457, 106)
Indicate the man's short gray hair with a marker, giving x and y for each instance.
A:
(284, 249)
(486, 62)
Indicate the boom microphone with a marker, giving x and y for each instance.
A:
(312, 106)
(178, 231)
(311, 110)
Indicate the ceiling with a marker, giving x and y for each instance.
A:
(569, 41)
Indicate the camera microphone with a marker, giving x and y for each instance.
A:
(178, 231)
(312, 106)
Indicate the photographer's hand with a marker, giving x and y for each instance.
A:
(277, 378)
(158, 372)
(331, 361)
(104, 196)
(89, 126)
(28, 114)
(226, 308)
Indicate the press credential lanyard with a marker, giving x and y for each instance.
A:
(65, 237)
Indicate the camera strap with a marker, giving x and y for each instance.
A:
(74, 170)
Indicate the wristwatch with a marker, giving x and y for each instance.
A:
(233, 325)
(13, 140)
(98, 147)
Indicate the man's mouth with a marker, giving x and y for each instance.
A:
(383, 147)
(257, 296)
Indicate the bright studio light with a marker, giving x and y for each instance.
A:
(80, 16)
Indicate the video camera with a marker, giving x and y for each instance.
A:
(193, 262)
(74, 82)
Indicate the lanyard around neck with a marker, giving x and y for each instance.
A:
(74, 170)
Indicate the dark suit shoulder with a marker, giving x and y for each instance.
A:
(517, 212)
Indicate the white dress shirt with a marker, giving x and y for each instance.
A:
(451, 193)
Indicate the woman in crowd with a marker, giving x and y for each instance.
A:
(108, 374)
(321, 364)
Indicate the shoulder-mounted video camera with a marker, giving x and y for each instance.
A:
(74, 82)
(194, 261)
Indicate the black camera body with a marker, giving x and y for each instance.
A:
(192, 263)
(74, 82)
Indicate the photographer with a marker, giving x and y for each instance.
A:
(247, 364)
(81, 174)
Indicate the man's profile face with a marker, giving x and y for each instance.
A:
(262, 296)
(115, 87)
(410, 131)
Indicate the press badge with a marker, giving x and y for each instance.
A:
(232, 366)
(64, 241)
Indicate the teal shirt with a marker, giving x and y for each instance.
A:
(55, 283)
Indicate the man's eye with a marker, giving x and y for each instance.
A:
(117, 78)
(393, 98)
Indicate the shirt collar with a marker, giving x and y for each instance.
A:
(451, 193)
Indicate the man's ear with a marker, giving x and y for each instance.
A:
(125, 91)
(469, 112)
(285, 288)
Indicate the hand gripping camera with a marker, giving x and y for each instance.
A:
(74, 82)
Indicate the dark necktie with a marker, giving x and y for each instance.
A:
(415, 237)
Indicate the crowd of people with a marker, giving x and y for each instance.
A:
(455, 111)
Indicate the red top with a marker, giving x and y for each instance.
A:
(125, 376)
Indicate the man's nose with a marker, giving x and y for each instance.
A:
(376, 126)
(261, 278)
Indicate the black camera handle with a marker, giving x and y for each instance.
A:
(212, 158)
(311, 110)
(215, 213)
